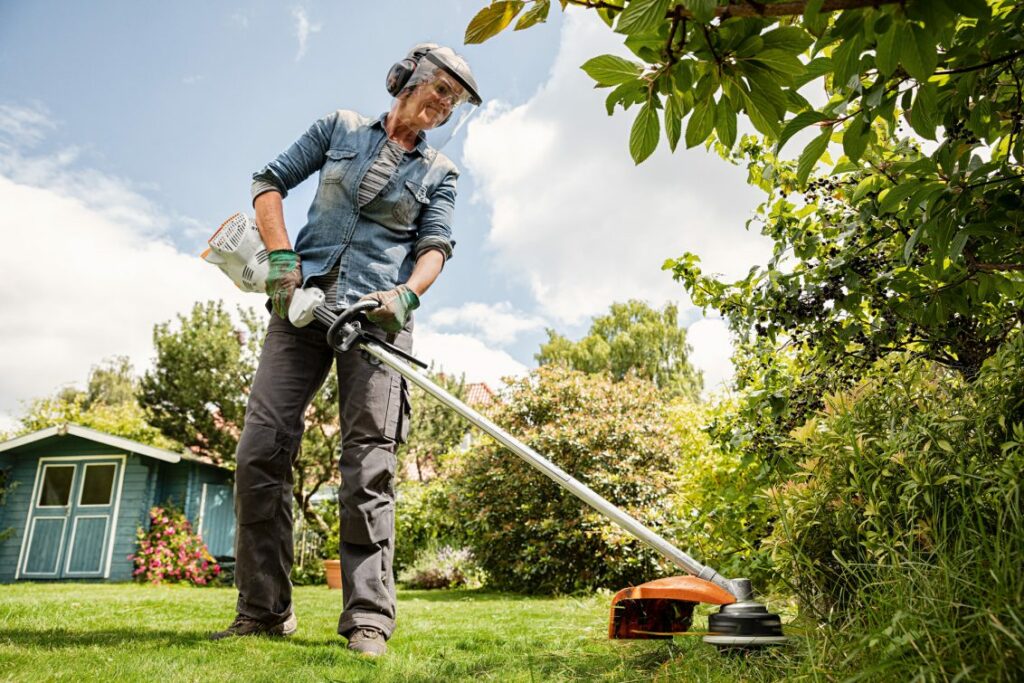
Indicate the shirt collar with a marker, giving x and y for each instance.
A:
(421, 138)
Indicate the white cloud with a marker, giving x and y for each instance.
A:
(87, 273)
(458, 354)
(498, 323)
(23, 126)
(712, 348)
(575, 220)
(192, 79)
(303, 29)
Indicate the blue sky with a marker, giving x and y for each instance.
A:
(129, 131)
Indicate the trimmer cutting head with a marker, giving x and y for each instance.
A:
(664, 608)
(745, 625)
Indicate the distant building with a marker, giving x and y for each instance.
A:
(479, 395)
(79, 495)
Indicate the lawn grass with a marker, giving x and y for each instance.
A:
(128, 632)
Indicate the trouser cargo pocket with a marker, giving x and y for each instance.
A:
(264, 462)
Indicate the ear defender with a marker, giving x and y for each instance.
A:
(399, 75)
(401, 72)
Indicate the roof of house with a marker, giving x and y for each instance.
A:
(103, 438)
(479, 394)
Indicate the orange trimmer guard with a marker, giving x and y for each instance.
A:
(661, 608)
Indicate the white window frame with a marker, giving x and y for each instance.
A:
(81, 485)
(71, 488)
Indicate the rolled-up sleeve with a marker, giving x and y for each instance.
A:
(435, 221)
(298, 162)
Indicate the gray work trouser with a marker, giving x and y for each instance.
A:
(374, 411)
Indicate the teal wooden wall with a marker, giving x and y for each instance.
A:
(147, 482)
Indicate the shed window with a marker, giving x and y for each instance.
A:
(56, 485)
(98, 485)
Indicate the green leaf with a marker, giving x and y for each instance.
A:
(491, 20)
(789, 38)
(673, 121)
(702, 10)
(817, 67)
(891, 198)
(976, 9)
(869, 184)
(917, 52)
(809, 157)
(642, 15)
(779, 60)
(611, 70)
(797, 124)
(627, 95)
(886, 51)
(643, 139)
(766, 94)
(855, 138)
(814, 20)
(908, 248)
(701, 123)
(766, 124)
(846, 61)
(922, 114)
(682, 76)
(725, 123)
(537, 14)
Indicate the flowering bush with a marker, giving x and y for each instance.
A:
(442, 567)
(170, 551)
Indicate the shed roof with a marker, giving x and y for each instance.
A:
(103, 438)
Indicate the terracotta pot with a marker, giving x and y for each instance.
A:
(333, 570)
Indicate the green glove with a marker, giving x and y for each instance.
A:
(395, 306)
(284, 277)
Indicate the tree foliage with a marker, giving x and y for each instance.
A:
(108, 404)
(531, 535)
(631, 338)
(204, 366)
(900, 224)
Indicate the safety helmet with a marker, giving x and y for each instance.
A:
(422, 64)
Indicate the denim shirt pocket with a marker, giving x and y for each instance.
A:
(337, 164)
(411, 200)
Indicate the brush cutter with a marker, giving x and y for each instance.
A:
(658, 609)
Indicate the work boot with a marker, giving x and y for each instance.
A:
(247, 626)
(367, 641)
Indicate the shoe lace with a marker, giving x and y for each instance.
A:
(369, 632)
(241, 620)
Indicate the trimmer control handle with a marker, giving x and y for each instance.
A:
(345, 319)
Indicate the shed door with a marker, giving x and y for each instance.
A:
(217, 520)
(71, 519)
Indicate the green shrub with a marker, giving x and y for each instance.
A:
(528, 533)
(721, 514)
(424, 518)
(905, 527)
(442, 567)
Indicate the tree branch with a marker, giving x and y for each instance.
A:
(983, 65)
(779, 9)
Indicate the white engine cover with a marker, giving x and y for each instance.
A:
(237, 249)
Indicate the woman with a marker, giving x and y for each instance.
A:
(379, 227)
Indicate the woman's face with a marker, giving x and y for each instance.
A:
(430, 103)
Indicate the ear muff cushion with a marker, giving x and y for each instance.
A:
(399, 75)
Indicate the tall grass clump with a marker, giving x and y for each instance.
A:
(903, 530)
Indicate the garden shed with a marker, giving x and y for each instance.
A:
(76, 496)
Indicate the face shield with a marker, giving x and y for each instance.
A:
(444, 86)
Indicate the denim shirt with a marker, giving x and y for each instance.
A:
(377, 244)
